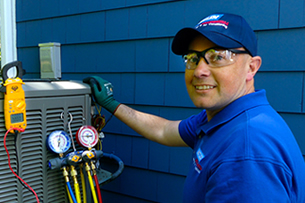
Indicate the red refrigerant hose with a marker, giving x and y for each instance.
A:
(98, 189)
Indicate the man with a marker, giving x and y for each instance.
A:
(243, 150)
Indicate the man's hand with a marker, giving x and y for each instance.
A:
(102, 92)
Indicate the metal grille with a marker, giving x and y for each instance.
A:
(56, 184)
(8, 182)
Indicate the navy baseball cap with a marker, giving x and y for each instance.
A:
(225, 30)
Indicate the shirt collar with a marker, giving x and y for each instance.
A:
(257, 98)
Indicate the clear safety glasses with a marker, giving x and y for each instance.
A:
(214, 57)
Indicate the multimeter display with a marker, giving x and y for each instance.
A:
(17, 118)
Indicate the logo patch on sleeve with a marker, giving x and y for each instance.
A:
(199, 154)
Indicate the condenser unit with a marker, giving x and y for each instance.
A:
(48, 104)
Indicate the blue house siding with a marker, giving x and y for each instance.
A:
(128, 42)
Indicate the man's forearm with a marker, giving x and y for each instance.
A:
(150, 126)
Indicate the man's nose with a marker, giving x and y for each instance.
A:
(202, 69)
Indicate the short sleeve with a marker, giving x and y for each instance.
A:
(188, 128)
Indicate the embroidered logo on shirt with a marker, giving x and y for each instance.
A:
(197, 165)
(199, 157)
(199, 154)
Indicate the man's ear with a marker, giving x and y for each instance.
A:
(254, 65)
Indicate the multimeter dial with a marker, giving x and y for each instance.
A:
(58, 142)
(87, 136)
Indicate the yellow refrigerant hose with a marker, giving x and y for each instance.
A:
(91, 183)
(76, 186)
(69, 196)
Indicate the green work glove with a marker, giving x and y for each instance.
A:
(102, 93)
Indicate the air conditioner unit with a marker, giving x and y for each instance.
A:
(47, 102)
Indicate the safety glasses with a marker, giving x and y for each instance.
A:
(214, 57)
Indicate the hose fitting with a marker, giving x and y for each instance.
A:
(65, 174)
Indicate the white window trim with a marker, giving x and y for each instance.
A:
(8, 34)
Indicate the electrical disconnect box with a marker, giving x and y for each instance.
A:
(50, 60)
(48, 105)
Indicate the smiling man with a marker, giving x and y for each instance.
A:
(243, 150)
(222, 77)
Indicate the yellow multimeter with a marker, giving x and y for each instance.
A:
(14, 98)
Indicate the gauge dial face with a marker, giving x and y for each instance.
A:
(59, 142)
(87, 136)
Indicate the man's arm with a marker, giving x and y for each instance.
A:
(150, 126)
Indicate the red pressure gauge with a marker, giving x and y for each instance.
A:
(87, 136)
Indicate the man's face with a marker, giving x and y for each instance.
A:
(214, 88)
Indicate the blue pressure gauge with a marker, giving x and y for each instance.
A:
(58, 142)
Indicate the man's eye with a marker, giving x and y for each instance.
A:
(217, 57)
(193, 58)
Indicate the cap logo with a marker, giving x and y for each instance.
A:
(211, 17)
(213, 20)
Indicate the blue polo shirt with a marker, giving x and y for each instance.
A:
(245, 153)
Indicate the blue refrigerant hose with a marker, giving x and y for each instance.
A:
(71, 192)
(119, 162)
